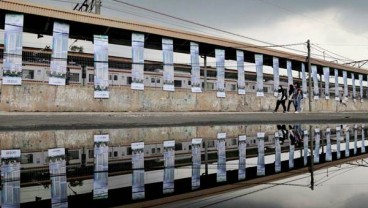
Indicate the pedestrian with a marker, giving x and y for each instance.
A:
(291, 97)
(281, 98)
(298, 100)
(283, 133)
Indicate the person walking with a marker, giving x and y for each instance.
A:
(291, 97)
(281, 98)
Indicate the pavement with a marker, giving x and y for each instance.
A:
(23, 121)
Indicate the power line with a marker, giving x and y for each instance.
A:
(332, 52)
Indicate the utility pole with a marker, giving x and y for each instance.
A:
(311, 157)
(309, 77)
(98, 7)
(205, 73)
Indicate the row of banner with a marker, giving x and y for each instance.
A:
(12, 73)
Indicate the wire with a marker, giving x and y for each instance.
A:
(332, 52)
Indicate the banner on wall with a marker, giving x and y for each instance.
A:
(337, 92)
(221, 157)
(317, 141)
(363, 139)
(291, 156)
(101, 58)
(326, 77)
(355, 139)
(353, 86)
(304, 82)
(196, 163)
(289, 73)
(57, 167)
(169, 163)
(138, 190)
(168, 61)
(347, 141)
(59, 56)
(345, 78)
(361, 87)
(367, 86)
(10, 178)
(241, 75)
(138, 61)
(277, 153)
(196, 70)
(315, 83)
(338, 141)
(276, 76)
(220, 66)
(328, 148)
(101, 167)
(261, 157)
(259, 69)
(305, 146)
(242, 173)
(13, 45)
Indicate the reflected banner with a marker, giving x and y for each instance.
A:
(57, 167)
(338, 141)
(220, 67)
(242, 147)
(305, 146)
(221, 157)
(168, 61)
(347, 141)
(353, 86)
(101, 58)
(289, 73)
(277, 153)
(361, 87)
(326, 77)
(10, 178)
(196, 163)
(276, 75)
(355, 139)
(304, 82)
(196, 70)
(138, 191)
(337, 92)
(363, 139)
(317, 141)
(328, 148)
(261, 157)
(259, 71)
(315, 83)
(101, 167)
(13, 44)
(241, 76)
(138, 61)
(59, 57)
(169, 163)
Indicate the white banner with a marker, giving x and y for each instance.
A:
(169, 164)
(291, 156)
(304, 82)
(338, 139)
(138, 190)
(261, 156)
(315, 82)
(317, 140)
(101, 58)
(168, 61)
(137, 145)
(196, 163)
(361, 87)
(337, 92)
(13, 45)
(101, 167)
(305, 146)
(101, 138)
(241, 75)
(353, 86)
(276, 75)
(347, 141)
(277, 153)
(326, 77)
(196, 70)
(221, 160)
(259, 69)
(59, 57)
(242, 157)
(345, 78)
(10, 178)
(57, 168)
(355, 139)
(328, 148)
(138, 61)
(220, 66)
(289, 73)
(363, 139)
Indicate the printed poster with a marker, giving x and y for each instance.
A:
(305, 146)
(353, 86)
(101, 58)
(363, 139)
(13, 45)
(138, 190)
(347, 141)
(57, 167)
(326, 77)
(277, 153)
(101, 167)
(241, 75)
(289, 73)
(59, 56)
(361, 87)
(345, 78)
(242, 173)
(315, 82)
(304, 82)
(276, 76)
(261, 155)
(220, 66)
(196, 70)
(338, 139)
(138, 61)
(168, 61)
(337, 93)
(328, 148)
(169, 163)
(10, 178)
(259, 69)
(317, 140)
(196, 163)
(221, 157)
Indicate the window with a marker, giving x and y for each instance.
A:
(153, 150)
(129, 80)
(110, 77)
(73, 154)
(28, 74)
(115, 77)
(158, 81)
(74, 77)
(190, 147)
(129, 152)
(210, 86)
(177, 83)
(178, 146)
(91, 78)
(91, 153)
(233, 87)
(189, 83)
(152, 80)
(115, 153)
(26, 158)
(158, 150)
(210, 143)
(234, 142)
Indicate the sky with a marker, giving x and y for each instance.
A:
(336, 26)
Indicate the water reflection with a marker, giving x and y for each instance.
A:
(154, 162)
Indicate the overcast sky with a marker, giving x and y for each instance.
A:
(338, 26)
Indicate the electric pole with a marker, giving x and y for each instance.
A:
(309, 77)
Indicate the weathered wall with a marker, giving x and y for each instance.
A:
(75, 98)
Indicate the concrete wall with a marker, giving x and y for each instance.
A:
(76, 98)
